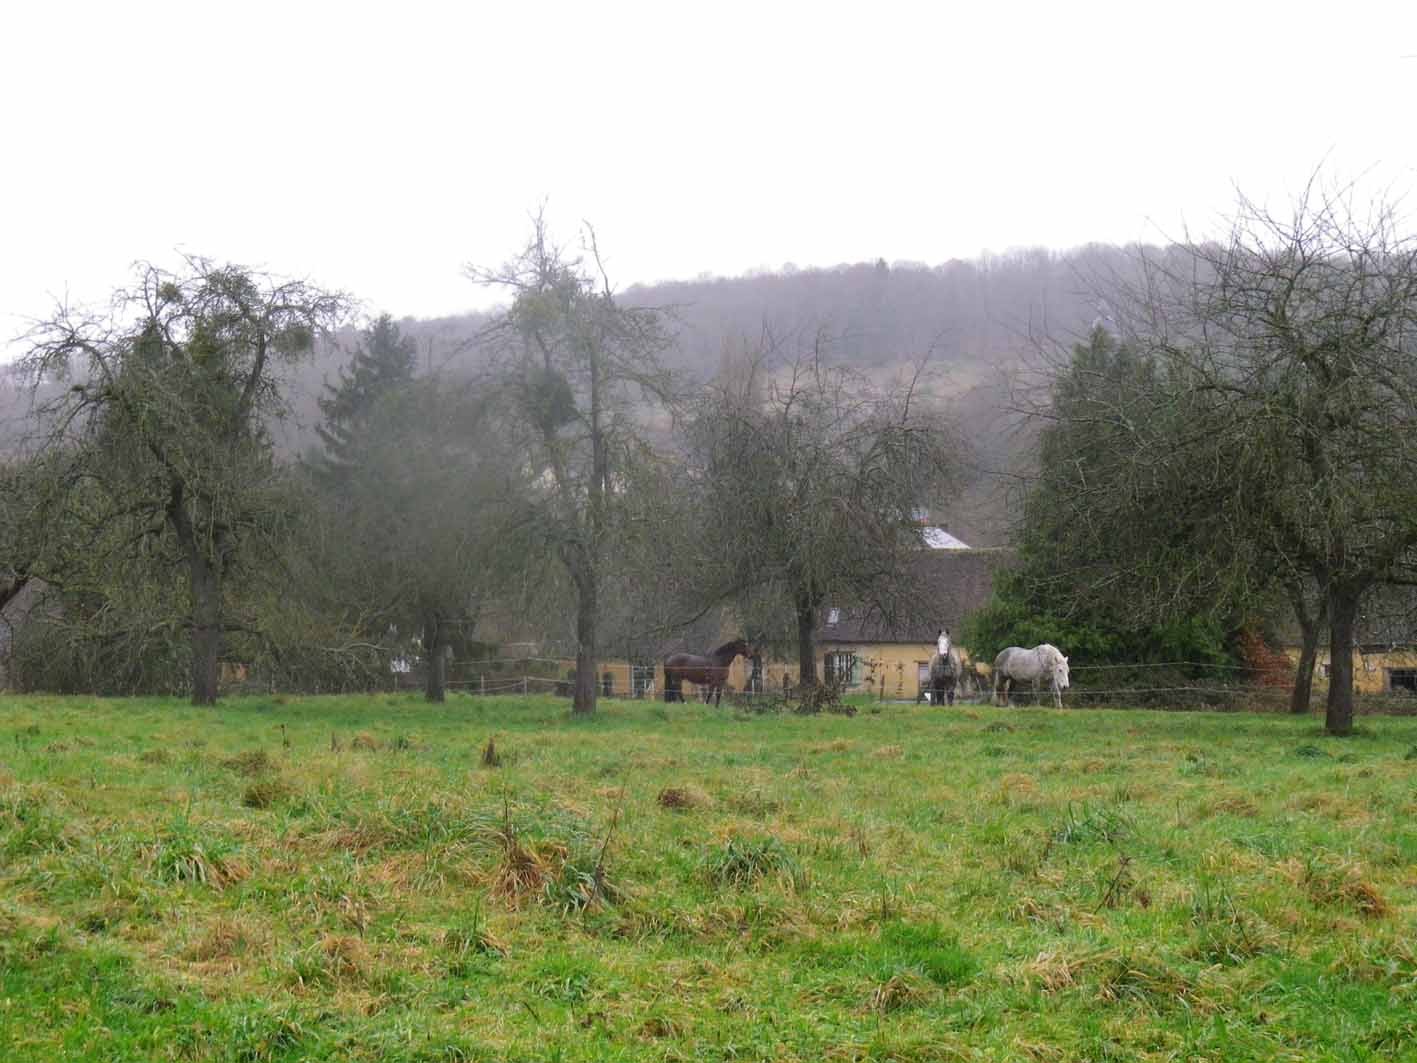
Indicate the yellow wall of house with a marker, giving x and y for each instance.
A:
(1370, 668)
(891, 669)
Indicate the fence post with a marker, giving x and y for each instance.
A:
(482, 682)
(524, 686)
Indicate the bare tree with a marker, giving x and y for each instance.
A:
(164, 430)
(579, 372)
(1290, 355)
(811, 478)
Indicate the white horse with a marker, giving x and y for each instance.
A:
(945, 673)
(1042, 661)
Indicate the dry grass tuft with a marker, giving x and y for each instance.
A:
(155, 756)
(472, 938)
(888, 752)
(251, 763)
(1337, 884)
(1363, 897)
(860, 840)
(1146, 980)
(223, 940)
(1235, 805)
(754, 802)
(678, 797)
(490, 757)
(898, 991)
(520, 872)
(1032, 910)
(836, 745)
(1017, 784)
(263, 793)
(347, 956)
(658, 1027)
(1336, 806)
(1053, 972)
(365, 741)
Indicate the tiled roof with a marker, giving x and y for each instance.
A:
(951, 583)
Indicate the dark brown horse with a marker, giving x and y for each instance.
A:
(708, 672)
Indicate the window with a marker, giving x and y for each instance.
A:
(841, 668)
(833, 617)
(642, 679)
(1402, 680)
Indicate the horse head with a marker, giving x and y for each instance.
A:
(735, 648)
(1060, 670)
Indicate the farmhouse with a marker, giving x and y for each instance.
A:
(865, 653)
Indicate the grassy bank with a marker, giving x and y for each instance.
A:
(360, 878)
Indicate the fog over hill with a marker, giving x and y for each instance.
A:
(974, 322)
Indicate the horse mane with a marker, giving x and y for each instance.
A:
(727, 645)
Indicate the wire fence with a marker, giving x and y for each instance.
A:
(1185, 685)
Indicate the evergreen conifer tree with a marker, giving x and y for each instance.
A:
(383, 364)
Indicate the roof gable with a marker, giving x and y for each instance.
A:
(951, 584)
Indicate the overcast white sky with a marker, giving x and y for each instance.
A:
(377, 148)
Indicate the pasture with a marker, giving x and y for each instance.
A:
(374, 879)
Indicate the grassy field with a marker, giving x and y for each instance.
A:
(350, 878)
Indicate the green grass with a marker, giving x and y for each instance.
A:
(346, 879)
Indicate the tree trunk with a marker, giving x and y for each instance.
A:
(204, 590)
(10, 587)
(1343, 600)
(1311, 626)
(205, 587)
(806, 644)
(1304, 675)
(583, 703)
(435, 650)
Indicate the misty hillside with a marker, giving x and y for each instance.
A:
(976, 320)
